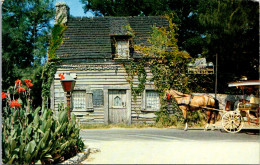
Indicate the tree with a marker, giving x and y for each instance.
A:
(231, 31)
(26, 25)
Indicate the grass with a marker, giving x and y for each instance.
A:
(134, 125)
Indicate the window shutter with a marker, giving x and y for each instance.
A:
(89, 102)
(98, 98)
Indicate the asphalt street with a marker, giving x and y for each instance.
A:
(154, 134)
(171, 146)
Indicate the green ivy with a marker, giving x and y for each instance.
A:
(133, 69)
(56, 39)
(48, 73)
(50, 68)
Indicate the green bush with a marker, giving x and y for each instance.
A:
(38, 136)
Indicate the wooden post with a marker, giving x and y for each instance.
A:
(68, 105)
(216, 77)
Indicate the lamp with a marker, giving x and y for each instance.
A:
(68, 84)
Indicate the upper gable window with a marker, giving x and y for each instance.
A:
(121, 47)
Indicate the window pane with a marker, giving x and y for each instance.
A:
(78, 100)
(122, 48)
(152, 100)
(117, 101)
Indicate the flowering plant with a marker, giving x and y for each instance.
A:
(3, 95)
(61, 76)
(16, 101)
(15, 104)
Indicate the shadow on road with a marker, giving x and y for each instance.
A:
(249, 131)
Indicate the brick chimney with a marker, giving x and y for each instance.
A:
(62, 13)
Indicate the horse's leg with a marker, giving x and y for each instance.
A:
(208, 112)
(184, 112)
(214, 120)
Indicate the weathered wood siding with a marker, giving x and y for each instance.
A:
(104, 77)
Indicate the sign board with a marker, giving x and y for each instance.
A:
(200, 66)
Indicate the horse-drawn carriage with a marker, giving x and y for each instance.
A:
(246, 109)
(232, 120)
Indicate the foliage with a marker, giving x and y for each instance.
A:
(233, 34)
(50, 68)
(48, 73)
(37, 136)
(56, 39)
(133, 69)
(25, 36)
(169, 67)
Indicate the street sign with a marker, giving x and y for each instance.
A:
(200, 66)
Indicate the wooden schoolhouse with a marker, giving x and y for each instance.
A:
(94, 51)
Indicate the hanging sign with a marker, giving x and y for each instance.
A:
(200, 66)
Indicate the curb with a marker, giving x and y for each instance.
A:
(79, 157)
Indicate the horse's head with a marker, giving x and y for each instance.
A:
(167, 96)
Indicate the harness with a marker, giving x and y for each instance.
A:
(191, 97)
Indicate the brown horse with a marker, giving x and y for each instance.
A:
(194, 102)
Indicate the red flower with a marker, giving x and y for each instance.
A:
(18, 83)
(28, 83)
(3, 95)
(19, 90)
(61, 76)
(15, 104)
(169, 96)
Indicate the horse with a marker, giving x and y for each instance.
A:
(188, 102)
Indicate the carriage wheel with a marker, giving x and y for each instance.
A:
(232, 122)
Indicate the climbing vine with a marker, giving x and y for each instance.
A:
(133, 69)
(56, 39)
(50, 68)
(168, 65)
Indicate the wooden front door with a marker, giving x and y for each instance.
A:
(117, 106)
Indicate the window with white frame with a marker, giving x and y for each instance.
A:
(152, 100)
(122, 48)
(79, 100)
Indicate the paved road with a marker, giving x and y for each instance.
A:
(153, 134)
(172, 146)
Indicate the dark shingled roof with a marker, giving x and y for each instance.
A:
(90, 38)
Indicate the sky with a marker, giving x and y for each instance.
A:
(76, 8)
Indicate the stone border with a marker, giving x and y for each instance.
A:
(79, 157)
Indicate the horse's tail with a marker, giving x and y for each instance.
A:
(216, 107)
(216, 103)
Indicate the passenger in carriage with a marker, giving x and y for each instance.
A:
(249, 94)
